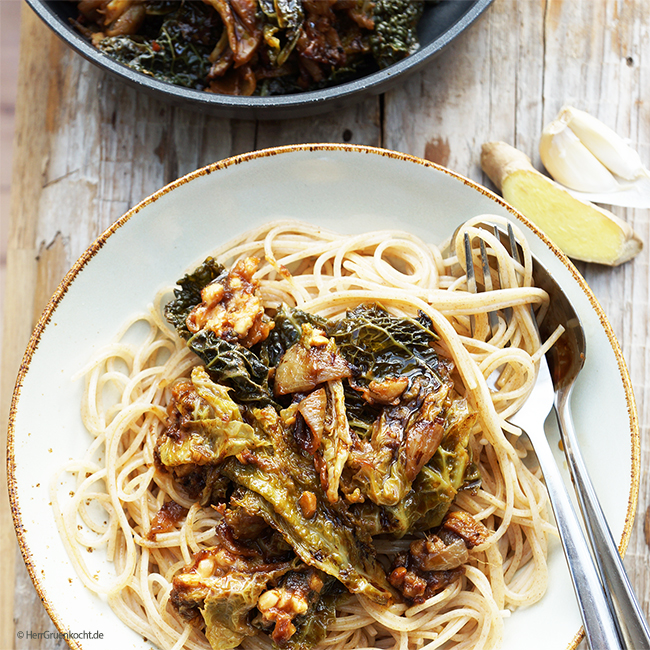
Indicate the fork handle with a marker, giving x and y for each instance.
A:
(631, 622)
(597, 618)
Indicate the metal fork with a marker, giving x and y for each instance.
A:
(599, 623)
(566, 359)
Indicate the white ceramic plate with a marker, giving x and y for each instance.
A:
(346, 188)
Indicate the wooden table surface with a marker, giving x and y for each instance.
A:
(88, 148)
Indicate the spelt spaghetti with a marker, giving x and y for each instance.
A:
(119, 490)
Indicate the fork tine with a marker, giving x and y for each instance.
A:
(471, 277)
(493, 319)
(514, 249)
(507, 314)
(472, 286)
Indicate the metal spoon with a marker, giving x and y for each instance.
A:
(566, 359)
(596, 611)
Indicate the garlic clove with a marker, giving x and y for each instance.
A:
(569, 162)
(604, 143)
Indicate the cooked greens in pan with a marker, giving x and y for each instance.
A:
(252, 47)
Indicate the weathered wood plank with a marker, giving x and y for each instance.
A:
(359, 124)
(598, 59)
(21, 278)
(485, 85)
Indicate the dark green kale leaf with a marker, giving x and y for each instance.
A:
(188, 295)
(290, 14)
(160, 7)
(245, 370)
(379, 345)
(395, 33)
(235, 366)
(229, 363)
(285, 14)
(174, 45)
(285, 85)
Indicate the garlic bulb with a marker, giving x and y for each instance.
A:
(569, 162)
(593, 162)
(604, 143)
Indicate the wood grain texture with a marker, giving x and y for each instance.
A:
(88, 148)
(486, 85)
(21, 275)
(602, 65)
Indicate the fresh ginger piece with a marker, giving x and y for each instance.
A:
(581, 229)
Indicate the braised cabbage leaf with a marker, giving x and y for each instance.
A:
(311, 627)
(329, 539)
(449, 471)
(226, 610)
(206, 426)
(235, 366)
(223, 585)
(379, 346)
(399, 457)
(286, 332)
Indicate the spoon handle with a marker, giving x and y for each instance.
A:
(630, 620)
(597, 616)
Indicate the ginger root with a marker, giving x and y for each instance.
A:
(580, 229)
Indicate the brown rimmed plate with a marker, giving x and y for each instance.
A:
(341, 187)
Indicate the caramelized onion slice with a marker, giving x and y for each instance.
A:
(312, 361)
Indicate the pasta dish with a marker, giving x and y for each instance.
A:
(309, 446)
